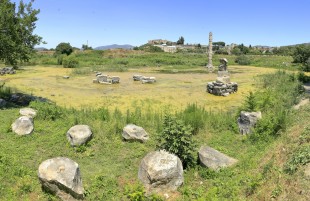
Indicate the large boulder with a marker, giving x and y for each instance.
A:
(132, 132)
(61, 176)
(161, 171)
(29, 112)
(23, 125)
(79, 134)
(247, 121)
(214, 159)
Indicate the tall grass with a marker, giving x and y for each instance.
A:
(120, 60)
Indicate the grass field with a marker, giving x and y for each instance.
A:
(172, 90)
(109, 165)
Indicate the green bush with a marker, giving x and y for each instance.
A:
(302, 77)
(300, 157)
(48, 111)
(306, 66)
(70, 62)
(243, 60)
(176, 138)
(305, 136)
(60, 58)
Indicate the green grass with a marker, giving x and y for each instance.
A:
(120, 60)
(109, 165)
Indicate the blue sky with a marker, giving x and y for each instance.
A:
(105, 22)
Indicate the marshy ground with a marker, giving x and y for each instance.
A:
(174, 91)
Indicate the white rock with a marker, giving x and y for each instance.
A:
(161, 171)
(61, 176)
(28, 112)
(79, 134)
(23, 125)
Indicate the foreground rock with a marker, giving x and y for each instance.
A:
(29, 112)
(132, 132)
(23, 125)
(214, 159)
(79, 134)
(247, 121)
(161, 171)
(61, 176)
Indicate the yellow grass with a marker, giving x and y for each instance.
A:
(171, 90)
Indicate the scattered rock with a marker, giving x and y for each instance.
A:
(66, 77)
(29, 112)
(247, 121)
(137, 77)
(23, 125)
(79, 134)
(7, 70)
(161, 171)
(214, 159)
(106, 79)
(61, 176)
(148, 80)
(132, 132)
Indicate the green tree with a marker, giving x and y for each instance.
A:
(180, 41)
(301, 54)
(64, 48)
(17, 24)
(86, 47)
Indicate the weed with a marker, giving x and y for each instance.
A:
(176, 138)
(299, 157)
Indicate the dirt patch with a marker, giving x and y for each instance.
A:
(301, 103)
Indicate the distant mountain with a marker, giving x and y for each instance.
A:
(114, 46)
(40, 48)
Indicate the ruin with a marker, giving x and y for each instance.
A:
(144, 79)
(222, 86)
(210, 65)
(106, 79)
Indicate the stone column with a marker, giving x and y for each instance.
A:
(209, 65)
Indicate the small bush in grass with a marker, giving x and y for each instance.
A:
(47, 111)
(70, 62)
(300, 157)
(305, 136)
(176, 138)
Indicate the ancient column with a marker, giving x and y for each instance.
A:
(209, 65)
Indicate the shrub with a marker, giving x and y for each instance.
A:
(306, 66)
(300, 157)
(48, 111)
(70, 62)
(60, 58)
(243, 60)
(302, 77)
(176, 138)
